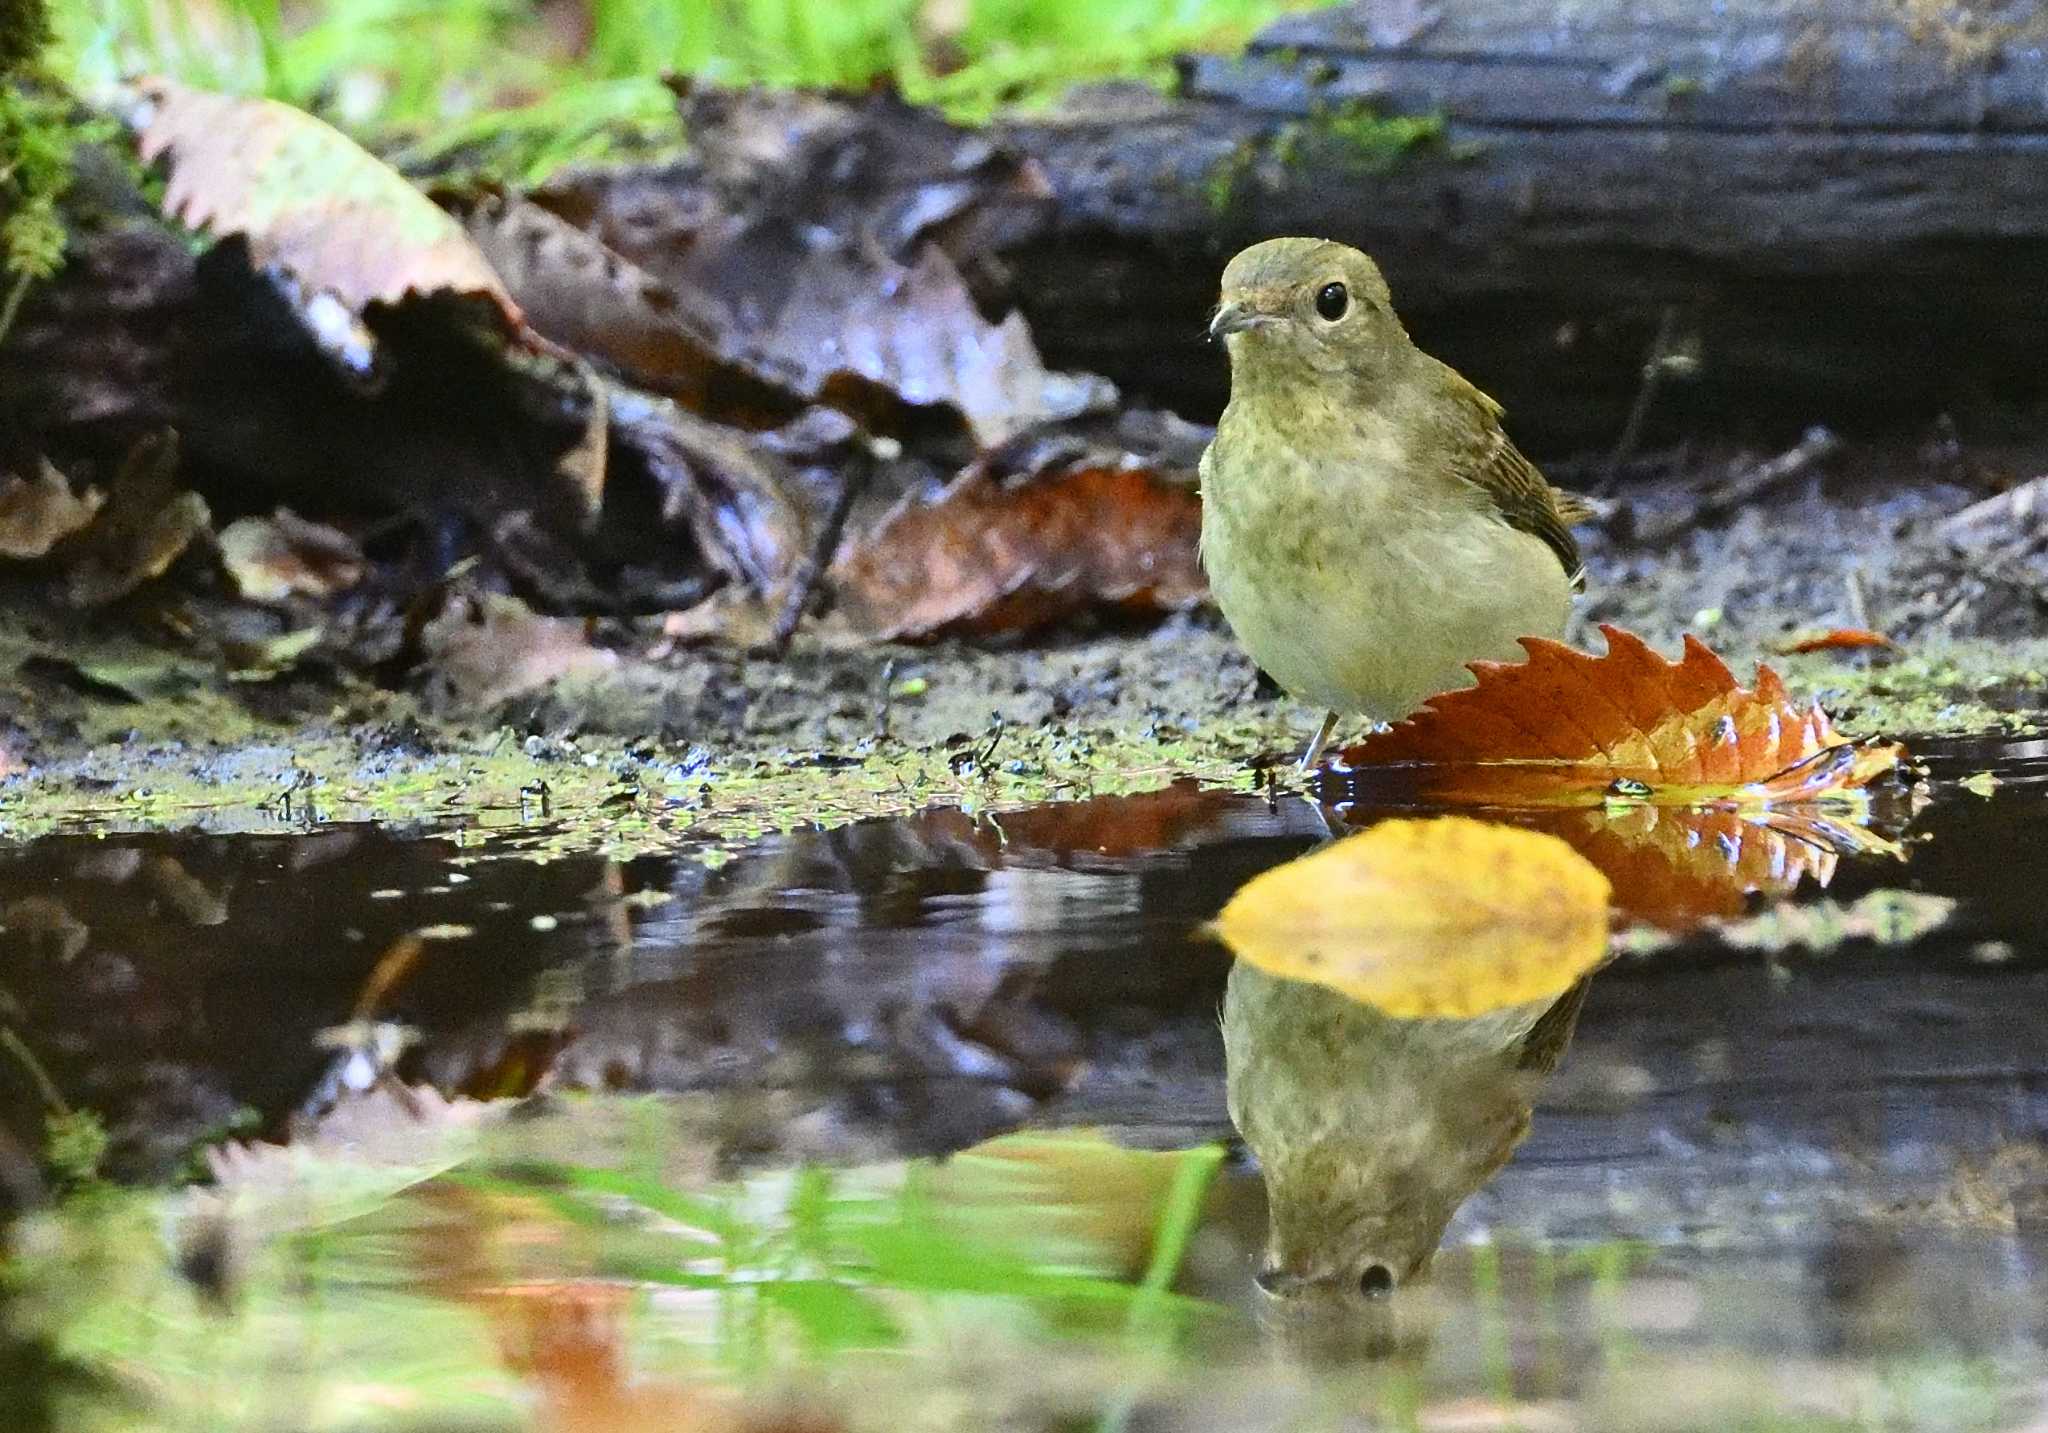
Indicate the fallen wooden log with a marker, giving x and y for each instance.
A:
(1845, 203)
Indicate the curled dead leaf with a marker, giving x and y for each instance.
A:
(38, 513)
(485, 648)
(145, 525)
(1567, 727)
(990, 557)
(821, 240)
(592, 300)
(282, 556)
(1443, 917)
(309, 200)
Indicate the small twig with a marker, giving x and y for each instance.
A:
(1654, 369)
(33, 1068)
(1743, 488)
(804, 586)
(1859, 600)
(12, 307)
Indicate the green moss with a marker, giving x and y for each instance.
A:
(1226, 178)
(40, 132)
(1352, 139)
(1957, 688)
(24, 31)
(1365, 141)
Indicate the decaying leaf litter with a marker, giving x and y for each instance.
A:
(731, 429)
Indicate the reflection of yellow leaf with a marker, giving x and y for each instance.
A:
(1444, 917)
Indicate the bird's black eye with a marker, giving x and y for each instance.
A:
(1378, 1280)
(1332, 301)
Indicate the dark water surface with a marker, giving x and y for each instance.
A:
(1807, 1189)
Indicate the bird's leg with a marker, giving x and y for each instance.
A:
(1314, 753)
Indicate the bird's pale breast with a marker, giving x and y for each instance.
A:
(1361, 585)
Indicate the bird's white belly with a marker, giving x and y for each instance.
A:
(1393, 613)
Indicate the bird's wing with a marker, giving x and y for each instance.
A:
(1487, 458)
(1543, 1049)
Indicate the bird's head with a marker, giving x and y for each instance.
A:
(1296, 309)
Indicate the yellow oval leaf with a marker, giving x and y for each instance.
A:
(1447, 917)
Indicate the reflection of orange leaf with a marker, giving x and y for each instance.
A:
(1565, 726)
(1446, 917)
(568, 1338)
(1675, 867)
(1139, 824)
(309, 200)
(1839, 639)
(989, 557)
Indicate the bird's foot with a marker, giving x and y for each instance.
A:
(1314, 754)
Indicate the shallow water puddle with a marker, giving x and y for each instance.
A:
(1763, 1184)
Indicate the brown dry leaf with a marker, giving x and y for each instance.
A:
(1444, 917)
(820, 240)
(915, 333)
(185, 893)
(309, 200)
(567, 1337)
(145, 525)
(987, 557)
(38, 513)
(595, 302)
(1567, 727)
(485, 648)
(275, 558)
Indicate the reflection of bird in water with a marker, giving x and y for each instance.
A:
(1372, 1130)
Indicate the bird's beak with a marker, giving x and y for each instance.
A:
(1236, 317)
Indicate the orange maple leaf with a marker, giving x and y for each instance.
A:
(1570, 728)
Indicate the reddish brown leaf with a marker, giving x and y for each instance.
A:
(1839, 639)
(309, 200)
(1570, 728)
(1139, 824)
(990, 558)
(483, 649)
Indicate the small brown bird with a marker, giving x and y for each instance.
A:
(1367, 526)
